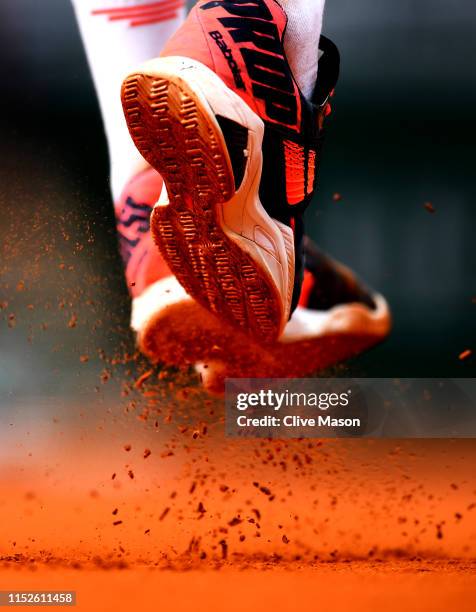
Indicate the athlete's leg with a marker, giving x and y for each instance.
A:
(118, 35)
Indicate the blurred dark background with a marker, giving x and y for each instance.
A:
(402, 134)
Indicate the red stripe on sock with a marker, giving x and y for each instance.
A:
(150, 14)
(130, 9)
(152, 20)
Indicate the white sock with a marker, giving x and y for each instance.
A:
(118, 35)
(302, 40)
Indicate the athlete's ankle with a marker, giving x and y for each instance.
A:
(302, 40)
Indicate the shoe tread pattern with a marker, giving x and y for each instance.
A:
(176, 135)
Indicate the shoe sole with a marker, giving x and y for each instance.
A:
(177, 132)
(174, 329)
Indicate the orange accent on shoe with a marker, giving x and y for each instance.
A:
(143, 263)
(311, 172)
(190, 41)
(295, 179)
(306, 289)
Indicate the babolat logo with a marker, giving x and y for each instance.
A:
(227, 52)
(251, 24)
